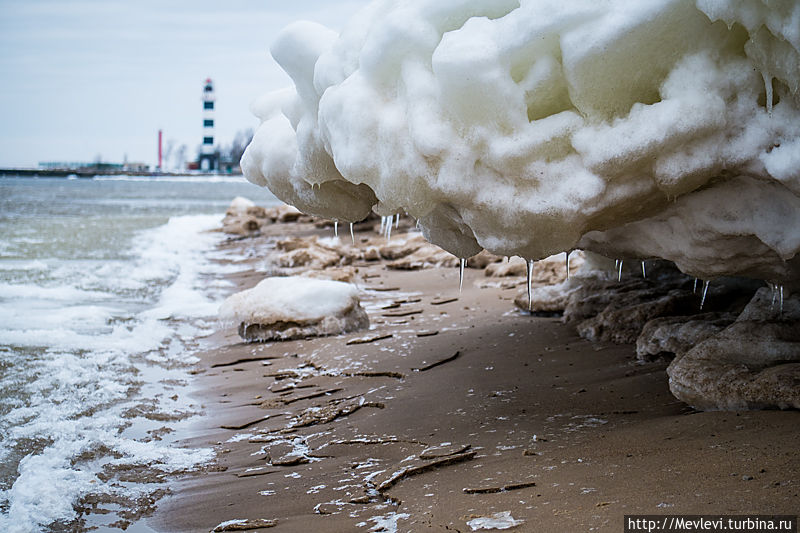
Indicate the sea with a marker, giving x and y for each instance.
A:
(108, 289)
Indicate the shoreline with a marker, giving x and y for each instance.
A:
(520, 415)
(94, 173)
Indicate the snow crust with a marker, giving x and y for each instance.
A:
(667, 128)
(294, 307)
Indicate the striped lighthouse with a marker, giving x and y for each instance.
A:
(208, 156)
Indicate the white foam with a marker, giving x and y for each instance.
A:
(387, 523)
(77, 395)
(22, 265)
(71, 317)
(9, 291)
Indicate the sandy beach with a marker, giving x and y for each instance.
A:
(456, 411)
(400, 266)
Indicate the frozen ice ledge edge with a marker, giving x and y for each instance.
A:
(661, 129)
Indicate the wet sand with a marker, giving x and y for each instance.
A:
(465, 408)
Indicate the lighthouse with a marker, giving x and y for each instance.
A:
(208, 156)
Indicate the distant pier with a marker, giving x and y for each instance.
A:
(91, 173)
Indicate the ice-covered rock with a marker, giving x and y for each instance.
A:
(425, 256)
(548, 271)
(285, 213)
(283, 308)
(671, 335)
(312, 253)
(752, 364)
(239, 206)
(660, 129)
(548, 298)
(619, 306)
(243, 217)
(623, 318)
(483, 260)
(402, 246)
(241, 225)
(743, 353)
(345, 273)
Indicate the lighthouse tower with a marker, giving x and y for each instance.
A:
(208, 156)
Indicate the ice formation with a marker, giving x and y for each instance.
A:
(666, 128)
(501, 520)
(282, 308)
(753, 363)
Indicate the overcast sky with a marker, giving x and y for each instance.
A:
(88, 78)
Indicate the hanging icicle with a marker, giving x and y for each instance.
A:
(461, 265)
(567, 261)
(619, 273)
(644, 272)
(705, 291)
(531, 262)
(336, 229)
(768, 89)
(774, 288)
(352, 235)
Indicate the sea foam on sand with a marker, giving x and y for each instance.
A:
(667, 128)
(86, 364)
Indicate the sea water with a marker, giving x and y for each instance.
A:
(107, 288)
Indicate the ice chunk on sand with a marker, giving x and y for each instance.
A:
(521, 126)
(239, 206)
(283, 308)
(501, 520)
(754, 363)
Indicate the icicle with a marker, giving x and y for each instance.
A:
(389, 229)
(705, 291)
(780, 306)
(461, 266)
(530, 284)
(567, 261)
(336, 229)
(694, 289)
(352, 235)
(644, 272)
(616, 264)
(768, 88)
(774, 288)
(619, 274)
(383, 225)
(397, 221)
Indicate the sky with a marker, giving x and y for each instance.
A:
(88, 79)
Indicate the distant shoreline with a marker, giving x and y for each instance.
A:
(66, 173)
